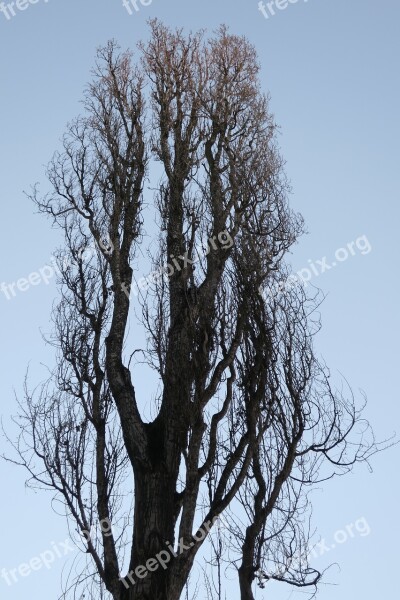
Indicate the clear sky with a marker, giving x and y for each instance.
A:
(331, 67)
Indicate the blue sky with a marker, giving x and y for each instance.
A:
(332, 70)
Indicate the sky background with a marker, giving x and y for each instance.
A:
(331, 67)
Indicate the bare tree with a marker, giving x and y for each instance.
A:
(246, 420)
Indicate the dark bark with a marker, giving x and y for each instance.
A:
(155, 514)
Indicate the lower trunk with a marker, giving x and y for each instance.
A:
(154, 523)
(246, 569)
(246, 577)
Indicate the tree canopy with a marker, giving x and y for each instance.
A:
(245, 421)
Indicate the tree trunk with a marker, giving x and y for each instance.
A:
(155, 516)
(246, 578)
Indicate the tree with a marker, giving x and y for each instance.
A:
(246, 419)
